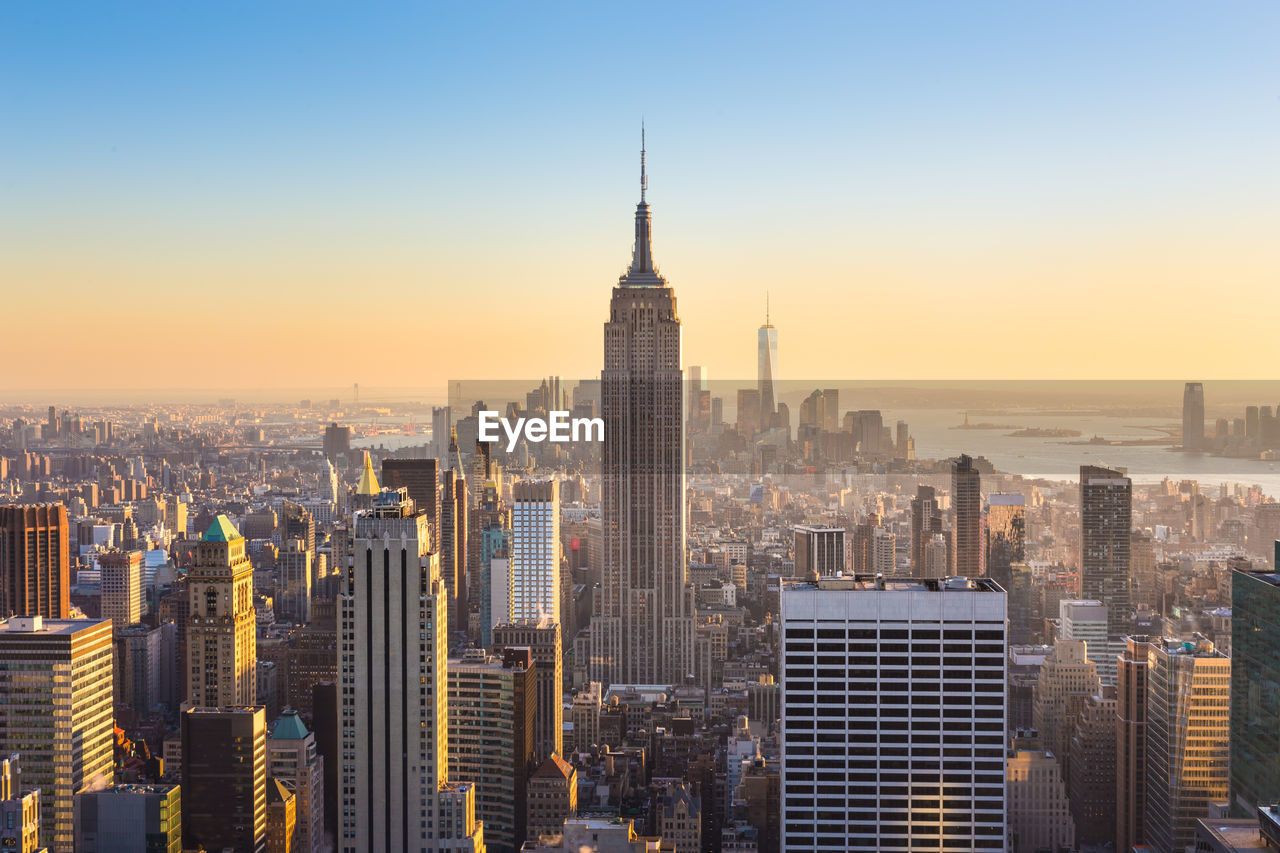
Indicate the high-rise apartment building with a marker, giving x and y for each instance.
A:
(542, 638)
(393, 646)
(1188, 726)
(1006, 536)
(818, 550)
(1105, 518)
(121, 584)
(224, 778)
(1131, 742)
(56, 713)
(222, 664)
(129, 818)
(292, 758)
(966, 514)
(643, 627)
(1193, 416)
(35, 574)
(535, 550)
(491, 710)
(441, 429)
(1255, 691)
(880, 754)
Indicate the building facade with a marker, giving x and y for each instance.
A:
(35, 573)
(64, 735)
(642, 628)
(224, 778)
(393, 646)
(861, 723)
(222, 665)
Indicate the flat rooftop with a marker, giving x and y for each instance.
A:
(893, 584)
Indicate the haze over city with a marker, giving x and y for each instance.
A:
(1087, 190)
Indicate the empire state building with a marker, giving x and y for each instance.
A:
(643, 628)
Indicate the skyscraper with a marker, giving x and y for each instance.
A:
(292, 758)
(55, 711)
(767, 369)
(452, 541)
(1006, 536)
(1131, 742)
(1105, 510)
(966, 506)
(535, 550)
(35, 571)
(864, 731)
(1188, 725)
(222, 664)
(491, 711)
(293, 594)
(490, 540)
(1255, 691)
(121, 586)
(542, 638)
(224, 778)
(392, 663)
(642, 631)
(926, 520)
(818, 550)
(421, 477)
(1193, 416)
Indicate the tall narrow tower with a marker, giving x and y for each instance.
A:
(767, 369)
(643, 627)
(222, 660)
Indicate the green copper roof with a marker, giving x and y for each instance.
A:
(289, 727)
(222, 530)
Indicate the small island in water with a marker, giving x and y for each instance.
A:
(1045, 432)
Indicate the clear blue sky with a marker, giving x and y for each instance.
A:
(277, 154)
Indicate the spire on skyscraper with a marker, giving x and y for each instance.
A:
(642, 272)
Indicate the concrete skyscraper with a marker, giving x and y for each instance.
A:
(34, 561)
(222, 664)
(1193, 416)
(542, 638)
(966, 506)
(392, 662)
(1105, 518)
(767, 369)
(864, 731)
(643, 628)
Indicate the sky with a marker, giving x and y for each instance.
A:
(311, 194)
